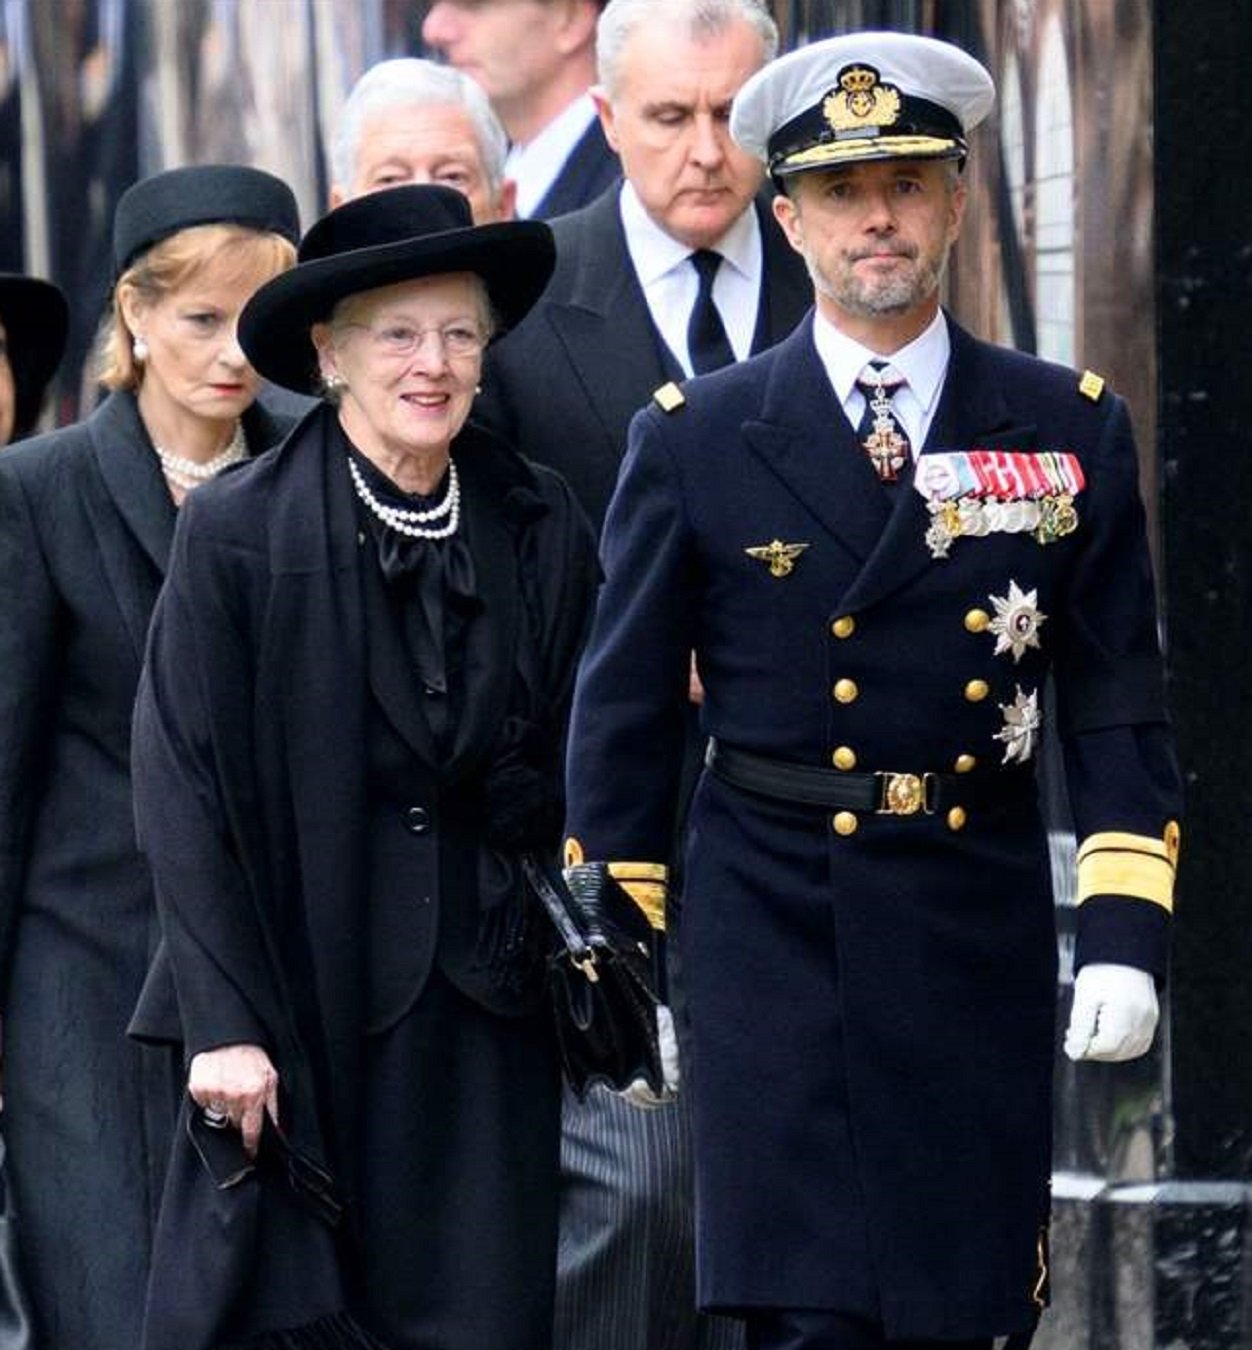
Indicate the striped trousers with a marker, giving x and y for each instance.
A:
(626, 1257)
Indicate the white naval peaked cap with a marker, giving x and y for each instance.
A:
(862, 96)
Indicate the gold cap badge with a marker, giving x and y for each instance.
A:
(861, 101)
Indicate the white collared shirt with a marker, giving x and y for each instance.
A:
(669, 280)
(923, 363)
(535, 166)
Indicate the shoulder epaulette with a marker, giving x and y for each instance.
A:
(669, 398)
(1091, 385)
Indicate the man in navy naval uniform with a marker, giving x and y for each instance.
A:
(628, 311)
(880, 537)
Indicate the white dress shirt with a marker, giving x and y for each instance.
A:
(669, 281)
(534, 167)
(923, 363)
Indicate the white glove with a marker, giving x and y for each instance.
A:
(640, 1092)
(1114, 1015)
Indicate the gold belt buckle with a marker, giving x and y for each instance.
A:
(905, 794)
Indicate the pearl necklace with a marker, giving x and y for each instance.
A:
(415, 524)
(189, 473)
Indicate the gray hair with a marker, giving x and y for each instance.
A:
(703, 18)
(412, 81)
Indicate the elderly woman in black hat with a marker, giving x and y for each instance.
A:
(33, 322)
(87, 514)
(337, 765)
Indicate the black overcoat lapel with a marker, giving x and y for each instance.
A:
(311, 703)
(605, 326)
(135, 499)
(131, 494)
(804, 438)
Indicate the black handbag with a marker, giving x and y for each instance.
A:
(600, 979)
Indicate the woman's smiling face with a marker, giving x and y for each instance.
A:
(408, 358)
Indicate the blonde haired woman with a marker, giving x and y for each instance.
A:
(87, 516)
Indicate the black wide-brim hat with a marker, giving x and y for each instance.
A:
(380, 239)
(36, 320)
(200, 194)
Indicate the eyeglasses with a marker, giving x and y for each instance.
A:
(402, 339)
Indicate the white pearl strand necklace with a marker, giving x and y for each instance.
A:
(415, 524)
(189, 473)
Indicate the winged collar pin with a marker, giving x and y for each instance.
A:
(780, 557)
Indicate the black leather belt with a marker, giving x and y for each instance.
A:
(886, 793)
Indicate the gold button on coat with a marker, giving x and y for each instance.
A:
(843, 627)
(845, 823)
(844, 757)
(956, 818)
(964, 763)
(977, 690)
(845, 691)
(976, 620)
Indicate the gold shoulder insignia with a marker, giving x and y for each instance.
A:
(1091, 385)
(669, 397)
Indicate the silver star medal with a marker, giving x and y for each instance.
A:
(1021, 726)
(1017, 621)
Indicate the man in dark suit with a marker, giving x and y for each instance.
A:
(882, 537)
(615, 324)
(535, 59)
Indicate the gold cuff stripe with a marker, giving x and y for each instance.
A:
(1121, 842)
(1132, 865)
(639, 871)
(650, 897)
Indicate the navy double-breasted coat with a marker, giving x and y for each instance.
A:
(872, 997)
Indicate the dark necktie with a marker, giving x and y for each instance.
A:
(707, 343)
(879, 430)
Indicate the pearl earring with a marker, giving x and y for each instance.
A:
(139, 350)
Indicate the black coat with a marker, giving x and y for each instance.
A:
(565, 383)
(872, 997)
(86, 521)
(251, 776)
